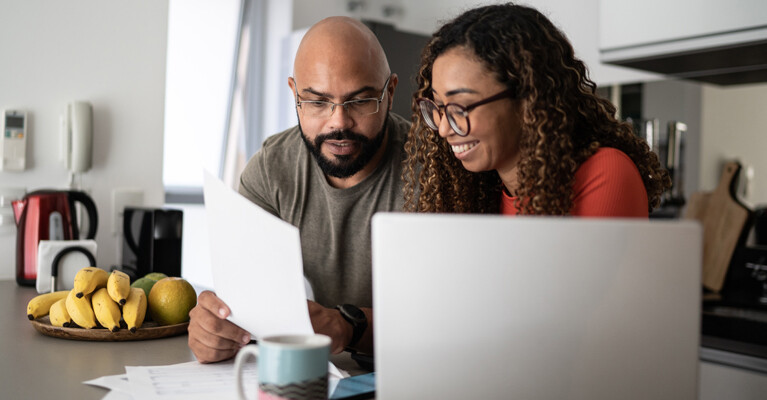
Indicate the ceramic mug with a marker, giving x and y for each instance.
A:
(289, 366)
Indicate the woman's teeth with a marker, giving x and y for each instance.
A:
(463, 147)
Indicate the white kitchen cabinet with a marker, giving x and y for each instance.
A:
(628, 23)
(719, 42)
(717, 382)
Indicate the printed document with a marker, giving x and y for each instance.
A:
(257, 264)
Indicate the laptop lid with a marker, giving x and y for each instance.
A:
(535, 308)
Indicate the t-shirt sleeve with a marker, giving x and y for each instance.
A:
(608, 184)
(254, 184)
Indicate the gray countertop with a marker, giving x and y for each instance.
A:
(35, 366)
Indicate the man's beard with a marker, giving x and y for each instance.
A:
(344, 166)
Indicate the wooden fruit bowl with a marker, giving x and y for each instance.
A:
(149, 330)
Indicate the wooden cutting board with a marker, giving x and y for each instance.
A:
(723, 218)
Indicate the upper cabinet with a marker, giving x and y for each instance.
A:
(708, 40)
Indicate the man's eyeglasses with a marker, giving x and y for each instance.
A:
(457, 115)
(355, 108)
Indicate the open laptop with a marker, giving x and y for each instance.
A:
(492, 307)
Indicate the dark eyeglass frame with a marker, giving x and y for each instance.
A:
(346, 103)
(464, 110)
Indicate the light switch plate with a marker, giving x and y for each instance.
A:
(122, 198)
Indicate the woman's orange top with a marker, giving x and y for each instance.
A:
(607, 184)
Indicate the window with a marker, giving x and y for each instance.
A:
(202, 42)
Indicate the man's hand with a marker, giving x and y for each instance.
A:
(328, 321)
(211, 337)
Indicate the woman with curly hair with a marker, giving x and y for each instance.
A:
(506, 120)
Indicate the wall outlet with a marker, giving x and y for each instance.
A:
(122, 198)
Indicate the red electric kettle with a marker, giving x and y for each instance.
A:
(47, 215)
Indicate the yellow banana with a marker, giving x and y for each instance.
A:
(106, 310)
(118, 286)
(39, 306)
(89, 279)
(59, 314)
(134, 309)
(80, 310)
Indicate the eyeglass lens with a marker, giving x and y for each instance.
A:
(354, 107)
(455, 116)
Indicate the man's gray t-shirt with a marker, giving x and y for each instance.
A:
(284, 179)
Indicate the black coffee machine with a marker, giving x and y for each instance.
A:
(746, 281)
(152, 241)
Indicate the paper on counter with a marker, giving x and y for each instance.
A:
(115, 395)
(192, 380)
(117, 383)
(257, 264)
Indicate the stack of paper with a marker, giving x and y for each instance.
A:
(189, 381)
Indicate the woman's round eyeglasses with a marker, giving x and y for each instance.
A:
(457, 115)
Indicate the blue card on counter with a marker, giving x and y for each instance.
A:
(355, 388)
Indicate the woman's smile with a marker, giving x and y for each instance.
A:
(461, 149)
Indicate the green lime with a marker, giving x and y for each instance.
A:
(155, 276)
(144, 283)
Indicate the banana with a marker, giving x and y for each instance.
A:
(134, 309)
(89, 279)
(80, 310)
(40, 305)
(118, 286)
(106, 310)
(59, 314)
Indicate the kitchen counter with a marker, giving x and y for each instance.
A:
(35, 366)
(734, 336)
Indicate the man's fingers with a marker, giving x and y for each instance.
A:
(206, 354)
(214, 340)
(204, 320)
(225, 329)
(209, 301)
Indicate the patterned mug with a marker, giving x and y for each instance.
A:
(289, 367)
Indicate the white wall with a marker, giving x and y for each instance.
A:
(111, 53)
(734, 125)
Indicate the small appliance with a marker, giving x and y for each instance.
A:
(746, 281)
(47, 215)
(152, 241)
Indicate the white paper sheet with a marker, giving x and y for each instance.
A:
(191, 381)
(115, 395)
(257, 264)
(117, 383)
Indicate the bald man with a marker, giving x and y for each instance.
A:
(327, 176)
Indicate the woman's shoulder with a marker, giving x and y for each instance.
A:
(608, 155)
(607, 160)
(609, 184)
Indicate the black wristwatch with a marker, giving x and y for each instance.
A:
(357, 318)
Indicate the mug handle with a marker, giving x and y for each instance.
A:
(242, 358)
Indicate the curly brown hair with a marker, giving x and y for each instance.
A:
(564, 121)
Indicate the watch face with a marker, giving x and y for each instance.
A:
(353, 312)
